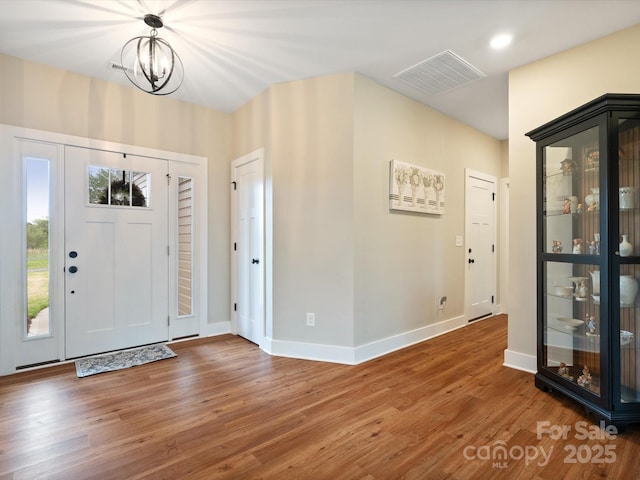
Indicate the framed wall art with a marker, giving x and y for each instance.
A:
(415, 189)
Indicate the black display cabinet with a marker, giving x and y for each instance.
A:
(588, 256)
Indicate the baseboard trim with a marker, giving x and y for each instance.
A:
(362, 353)
(218, 328)
(378, 348)
(520, 361)
(309, 351)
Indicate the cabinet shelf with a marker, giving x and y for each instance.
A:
(590, 342)
(569, 216)
(571, 298)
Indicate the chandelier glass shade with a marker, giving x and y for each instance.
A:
(150, 63)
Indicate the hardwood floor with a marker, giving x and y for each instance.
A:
(223, 409)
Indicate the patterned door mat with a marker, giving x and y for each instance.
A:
(109, 362)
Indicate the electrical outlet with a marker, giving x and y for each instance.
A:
(442, 303)
(311, 319)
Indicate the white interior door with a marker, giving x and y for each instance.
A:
(480, 244)
(116, 251)
(248, 241)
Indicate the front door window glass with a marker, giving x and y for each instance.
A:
(114, 187)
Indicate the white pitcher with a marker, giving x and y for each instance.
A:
(628, 289)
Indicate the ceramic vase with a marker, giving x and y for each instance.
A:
(595, 199)
(626, 248)
(626, 198)
(588, 200)
(628, 290)
(595, 282)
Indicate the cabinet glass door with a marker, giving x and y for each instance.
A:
(571, 244)
(572, 195)
(572, 323)
(629, 255)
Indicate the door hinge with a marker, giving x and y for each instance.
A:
(235, 307)
(493, 196)
(235, 246)
(492, 299)
(124, 155)
(168, 179)
(493, 248)
(168, 251)
(168, 320)
(235, 185)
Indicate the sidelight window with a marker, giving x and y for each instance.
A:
(185, 246)
(37, 246)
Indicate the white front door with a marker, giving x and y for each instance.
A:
(248, 242)
(116, 251)
(480, 244)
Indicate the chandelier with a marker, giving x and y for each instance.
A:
(150, 63)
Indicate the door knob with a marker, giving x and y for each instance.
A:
(255, 260)
(73, 254)
(471, 260)
(73, 269)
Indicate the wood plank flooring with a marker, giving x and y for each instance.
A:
(223, 409)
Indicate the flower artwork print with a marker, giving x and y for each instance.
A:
(415, 189)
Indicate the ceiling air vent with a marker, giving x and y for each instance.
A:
(440, 73)
(117, 66)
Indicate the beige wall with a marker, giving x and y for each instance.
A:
(45, 98)
(312, 151)
(404, 262)
(538, 93)
(504, 158)
(368, 274)
(251, 126)
(328, 140)
(307, 127)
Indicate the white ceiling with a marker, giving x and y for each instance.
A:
(234, 49)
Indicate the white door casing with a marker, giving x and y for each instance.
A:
(118, 297)
(247, 239)
(503, 254)
(16, 144)
(480, 234)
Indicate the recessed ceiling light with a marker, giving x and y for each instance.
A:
(501, 41)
